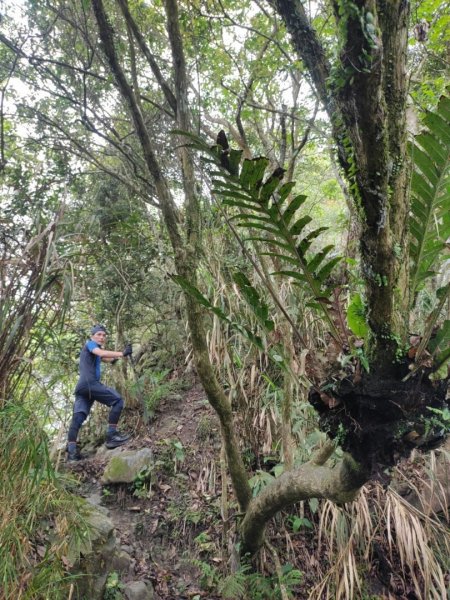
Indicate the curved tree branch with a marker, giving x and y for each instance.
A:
(340, 483)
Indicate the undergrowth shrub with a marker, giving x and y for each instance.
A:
(41, 524)
(411, 547)
(245, 584)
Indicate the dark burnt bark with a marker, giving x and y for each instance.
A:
(379, 421)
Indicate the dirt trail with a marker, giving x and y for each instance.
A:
(158, 523)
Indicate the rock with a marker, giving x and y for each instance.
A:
(91, 558)
(102, 451)
(96, 500)
(138, 590)
(121, 562)
(125, 466)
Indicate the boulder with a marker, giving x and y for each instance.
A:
(125, 465)
(121, 562)
(138, 590)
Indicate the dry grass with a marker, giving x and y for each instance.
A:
(415, 544)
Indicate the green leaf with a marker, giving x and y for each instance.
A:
(307, 240)
(254, 225)
(442, 338)
(253, 298)
(283, 257)
(298, 226)
(293, 207)
(238, 196)
(326, 270)
(275, 242)
(284, 191)
(443, 292)
(252, 172)
(199, 297)
(313, 505)
(234, 160)
(356, 317)
(430, 196)
(192, 290)
(294, 274)
(239, 204)
(268, 189)
(315, 261)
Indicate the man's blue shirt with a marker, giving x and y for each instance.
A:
(89, 363)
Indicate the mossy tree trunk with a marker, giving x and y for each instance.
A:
(364, 93)
(313, 479)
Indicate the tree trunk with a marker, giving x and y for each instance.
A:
(185, 253)
(365, 97)
(312, 480)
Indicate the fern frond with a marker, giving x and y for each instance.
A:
(266, 209)
(263, 205)
(430, 196)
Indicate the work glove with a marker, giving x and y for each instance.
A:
(128, 351)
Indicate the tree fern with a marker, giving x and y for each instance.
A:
(430, 195)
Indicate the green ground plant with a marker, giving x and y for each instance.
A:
(113, 587)
(245, 584)
(42, 527)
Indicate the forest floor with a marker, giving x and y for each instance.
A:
(167, 522)
(175, 526)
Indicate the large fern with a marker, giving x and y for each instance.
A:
(430, 196)
(271, 214)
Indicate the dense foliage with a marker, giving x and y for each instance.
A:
(256, 191)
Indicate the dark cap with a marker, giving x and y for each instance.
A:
(98, 328)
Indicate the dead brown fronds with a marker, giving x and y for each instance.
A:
(345, 534)
(383, 536)
(417, 539)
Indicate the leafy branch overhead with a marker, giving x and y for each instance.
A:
(271, 214)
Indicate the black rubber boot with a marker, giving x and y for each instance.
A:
(115, 439)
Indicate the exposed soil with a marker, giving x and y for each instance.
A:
(383, 419)
(175, 527)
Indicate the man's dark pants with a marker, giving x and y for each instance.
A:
(85, 396)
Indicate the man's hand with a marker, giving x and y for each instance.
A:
(128, 351)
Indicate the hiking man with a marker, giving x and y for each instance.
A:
(89, 389)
